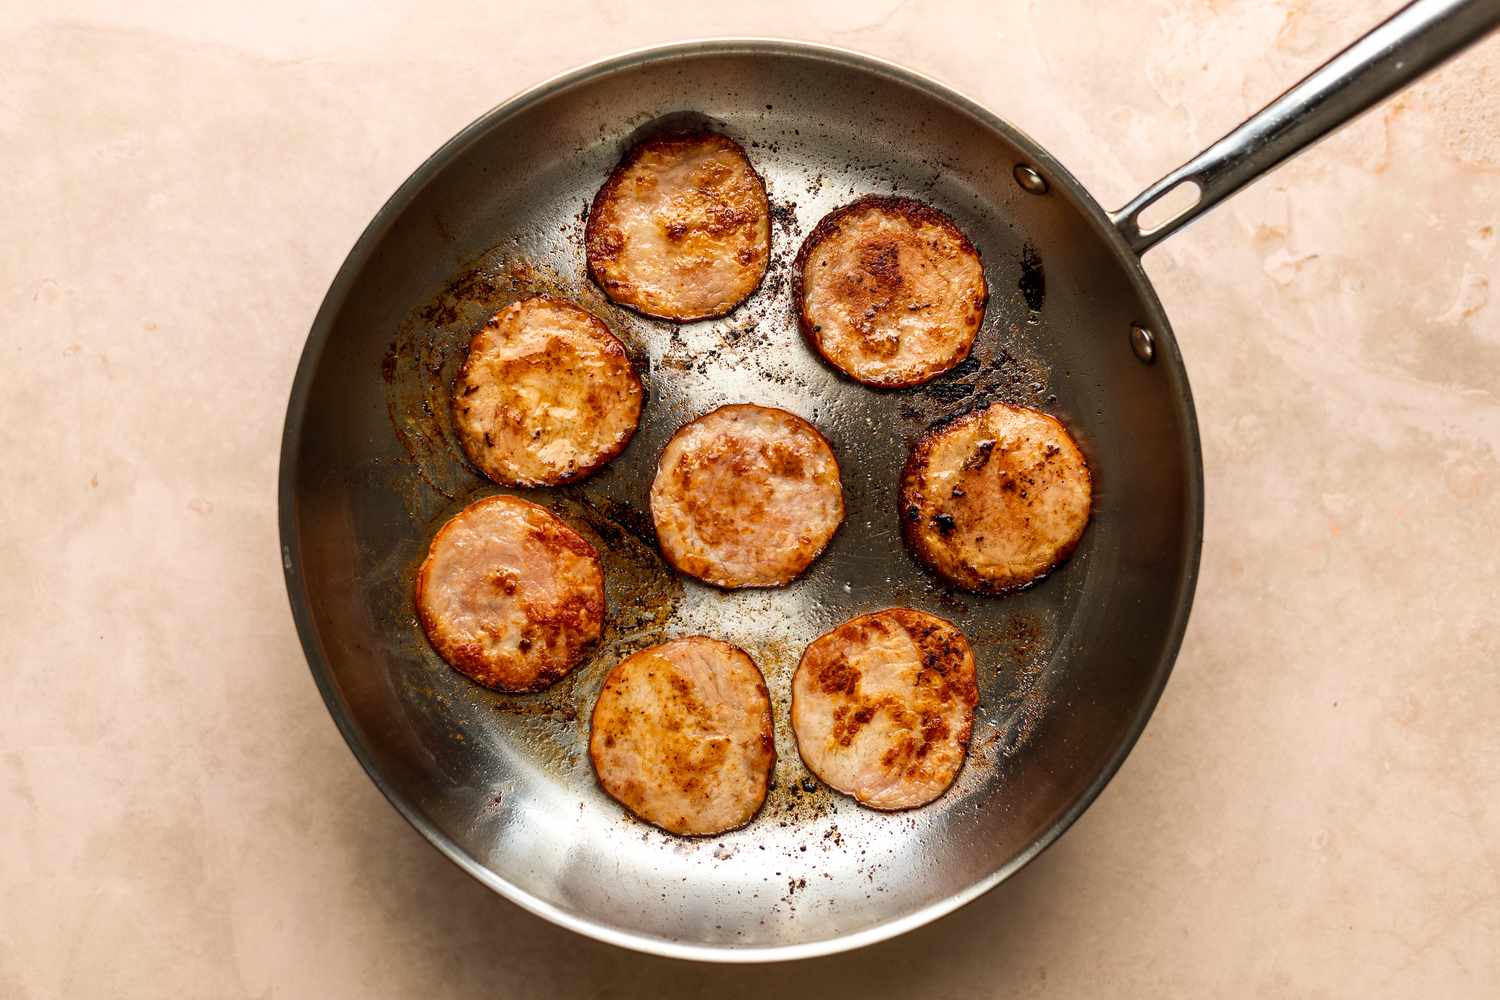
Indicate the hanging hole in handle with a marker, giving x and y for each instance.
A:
(1168, 208)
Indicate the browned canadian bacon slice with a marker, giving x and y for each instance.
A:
(889, 291)
(510, 595)
(681, 229)
(746, 496)
(681, 736)
(995, 499)
(883, 706)
(547, 394)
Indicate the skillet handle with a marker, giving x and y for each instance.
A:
(1412, 41)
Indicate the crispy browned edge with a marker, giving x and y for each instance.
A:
(838, 471)
(964, 737)
(914, 211)
(585, 471)
(545, 679)
(910, 488)
(769, 734)
(616, 175)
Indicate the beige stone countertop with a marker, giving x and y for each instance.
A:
(1314, 810)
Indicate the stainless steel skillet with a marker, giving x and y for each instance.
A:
(1070, 670)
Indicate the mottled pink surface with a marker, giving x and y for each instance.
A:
(1313, 810)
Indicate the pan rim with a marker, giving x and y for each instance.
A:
(336, 298)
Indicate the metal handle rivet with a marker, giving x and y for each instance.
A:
(1143, 343)
(1030, 180)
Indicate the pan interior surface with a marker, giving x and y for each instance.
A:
(1069, 669)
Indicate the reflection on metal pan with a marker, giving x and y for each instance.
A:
(1069, 670)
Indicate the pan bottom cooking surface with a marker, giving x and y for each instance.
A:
(1068, 670)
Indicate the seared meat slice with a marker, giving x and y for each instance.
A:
(996, 499)
(889, 291)
(681, 736)
(883, 705)
(547, 394)
(681, 229)
(746, 496)
(509, 595)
